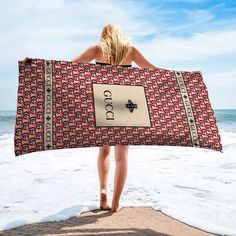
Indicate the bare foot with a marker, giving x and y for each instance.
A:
(116, 208)
(103, 201)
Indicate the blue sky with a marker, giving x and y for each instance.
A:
(180, 35)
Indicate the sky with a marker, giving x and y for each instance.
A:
(178, 35)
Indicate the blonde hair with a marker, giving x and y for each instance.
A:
(115, 46)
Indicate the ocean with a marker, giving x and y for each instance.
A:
(194, 185)
(226, 120)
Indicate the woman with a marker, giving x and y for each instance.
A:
(114, 48)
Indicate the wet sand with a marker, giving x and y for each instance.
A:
(128, 221)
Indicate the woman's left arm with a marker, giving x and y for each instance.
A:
(88, 55)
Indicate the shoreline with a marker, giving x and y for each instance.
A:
(130, 220)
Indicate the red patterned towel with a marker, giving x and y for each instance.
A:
(64, 104)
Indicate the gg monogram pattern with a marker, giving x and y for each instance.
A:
(55, 107)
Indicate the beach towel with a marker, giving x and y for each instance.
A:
(64, 104)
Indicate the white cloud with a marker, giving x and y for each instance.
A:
(64, 33)
(200, 46)
(193, 19)
(39, 5)
(226, 78)
(57, 29)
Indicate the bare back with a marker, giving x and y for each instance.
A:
(99, 57)
(94, 52)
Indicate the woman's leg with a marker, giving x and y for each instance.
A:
(121, 158)
(103, 165)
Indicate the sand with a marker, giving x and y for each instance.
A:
(128, 221)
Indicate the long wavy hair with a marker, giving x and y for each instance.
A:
(115, 46)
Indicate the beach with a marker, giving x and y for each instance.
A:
(118, 72)
(169, 190)
(128, 221)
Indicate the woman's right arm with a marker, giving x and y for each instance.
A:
(140, 60)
